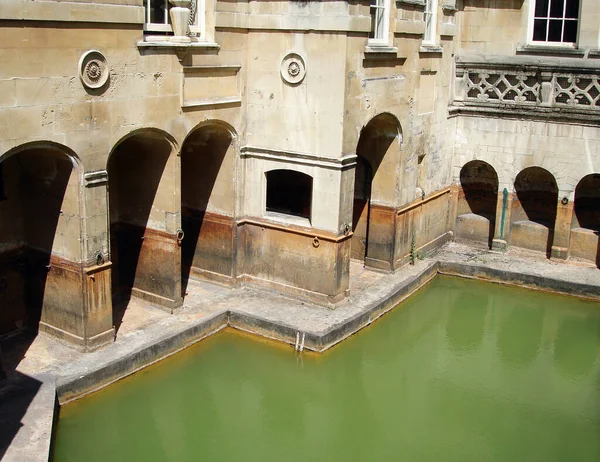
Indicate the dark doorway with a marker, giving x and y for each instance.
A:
(135, 169)
(477, 201)
(207, 179)
(376, 139)
(536, 201)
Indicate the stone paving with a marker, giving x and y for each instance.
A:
(43, 359)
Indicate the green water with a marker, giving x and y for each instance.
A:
(464, 371)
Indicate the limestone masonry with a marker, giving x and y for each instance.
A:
(144, 143)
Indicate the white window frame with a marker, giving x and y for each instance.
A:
(198, 28)
(546, 43)
(381, 34)
(430, 19)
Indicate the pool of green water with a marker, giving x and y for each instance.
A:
(462, 371)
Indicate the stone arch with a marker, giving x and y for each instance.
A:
(534, 209)
(208, 157)
(585, 225)
(378, 144)
(144, 216)
(476, 213)
(41, 239)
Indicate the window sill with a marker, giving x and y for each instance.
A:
(372, 51)
(411, 2)
(450, 9)
(555, 50)
(284, 218)
(431, 48)
(172, 44)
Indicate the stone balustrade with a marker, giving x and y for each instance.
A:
(558, 87)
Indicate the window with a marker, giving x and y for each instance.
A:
(159, 20)
(289, 192)
(379, 22)
(555, 21)
(430, 17)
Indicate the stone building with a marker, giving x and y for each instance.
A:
(271, 142)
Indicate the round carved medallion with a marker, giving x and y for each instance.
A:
(293, 68)
(93, 69)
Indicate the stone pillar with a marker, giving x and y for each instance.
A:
(97, 287)
(562, 229)
(502, 228)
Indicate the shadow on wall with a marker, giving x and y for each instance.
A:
(202, 156)
(374, 142)
(34, 183)
(477, 203)
(537, 200)
(135, 169)
(586, 217)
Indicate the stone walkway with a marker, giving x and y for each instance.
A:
(149, 333)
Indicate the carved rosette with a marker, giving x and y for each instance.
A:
(293, 68)
(93, 69)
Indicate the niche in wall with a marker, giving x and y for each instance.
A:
(289, 192)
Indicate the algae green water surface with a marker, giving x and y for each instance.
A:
(463, 371)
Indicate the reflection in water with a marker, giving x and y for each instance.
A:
(520, 334)
(466, 322)
(458, 372)
(576, 346)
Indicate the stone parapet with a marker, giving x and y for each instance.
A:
(546, 87)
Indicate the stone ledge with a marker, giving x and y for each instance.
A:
(550, 50)
(546, 114)
(546, 63)
(411, 2)
(51, 10)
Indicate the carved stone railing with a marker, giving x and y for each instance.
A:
(522, 84)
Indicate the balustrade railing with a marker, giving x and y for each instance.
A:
(527, 86)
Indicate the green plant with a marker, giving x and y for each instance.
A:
(413, 250)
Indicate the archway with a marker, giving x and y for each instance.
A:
(143, 189)
(585, 227)
(534, 210)
(374, 189)
(476, 213)
(40, 241)
(207, 203)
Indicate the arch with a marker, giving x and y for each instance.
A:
(385, 124)
(151, 132)
(476, 213)
(379, 143)
(216, 123)
(585, 225)
(144, 212)
(289, 192)
(208, 157)
(534, 209)
(587, 202)
(40, 212)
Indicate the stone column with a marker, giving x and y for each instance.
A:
(99, 328)
(562, 229)
(502, 228)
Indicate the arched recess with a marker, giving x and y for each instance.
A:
(476, 212)
(207, 202)
(40, 239)
(289, 192)
(374, 186)
(144, 208)
(534, 210)
(585, 227)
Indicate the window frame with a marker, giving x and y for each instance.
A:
(198, 28)
(430, 33)
(546, 43)
(384, 7)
